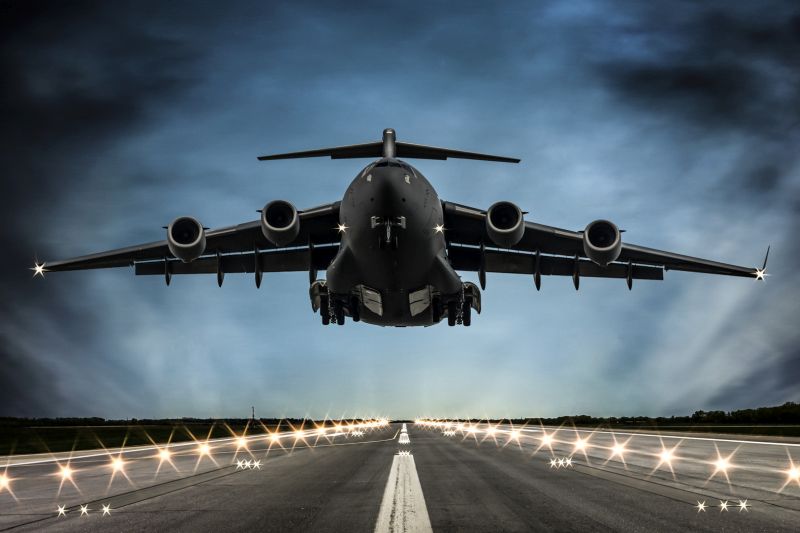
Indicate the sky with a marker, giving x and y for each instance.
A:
(679, 121)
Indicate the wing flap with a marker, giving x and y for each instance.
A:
(513, 262)
(293, 260)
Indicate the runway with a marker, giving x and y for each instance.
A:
(480, 478)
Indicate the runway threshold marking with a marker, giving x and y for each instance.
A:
(403, 507)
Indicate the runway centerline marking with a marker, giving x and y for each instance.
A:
(403, 507)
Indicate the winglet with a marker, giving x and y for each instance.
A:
(761, 273)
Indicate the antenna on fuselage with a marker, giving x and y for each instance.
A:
(389, 147)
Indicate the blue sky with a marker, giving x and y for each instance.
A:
(677, 121)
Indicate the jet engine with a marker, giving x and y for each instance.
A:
(186, 238)
(280, 222)
(602, 242)
(505, 224)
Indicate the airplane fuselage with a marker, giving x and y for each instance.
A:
(392, 244)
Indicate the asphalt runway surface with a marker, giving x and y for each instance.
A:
(481, 479)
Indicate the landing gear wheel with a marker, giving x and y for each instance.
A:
(436, 308)
(355, 312)
(339, 311)
(466, 314)
(451, 313)
(324, 312)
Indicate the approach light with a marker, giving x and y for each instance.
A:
(106, 510)
(164, 454)
(723, 505)
(580, 444)
(793, 474)
(241, 442)
(322, 431)
(701, 506)
(618, 449)
(491, 430)
(514, 434)
(203, 449)
(117, 464)
(275, 437)
(472, 429)
(66, 472)
(722, 464)
(666, 456)
(743, 506)
(84, 510)
(547, 440)
(4, 481)
(299, 434)
(62, 510)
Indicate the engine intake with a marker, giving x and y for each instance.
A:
(602, 242)
(186, 239)
(505, 224)
(280, 222)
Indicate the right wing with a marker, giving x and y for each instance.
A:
(229, 249)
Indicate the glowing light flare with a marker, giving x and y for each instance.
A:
(299, 434)
(84, 510)
(275, 437)
(547, 440)
(722, 464)
(761, 274)
(514, 434)
(618, 450)
(491, 430)
(241, 442)
(5, 482)
(106, 510)
(701, 506)
(61, 510)
(65, 473)
(723, 505)
(438, 228)
(117, 464)
(743, 506)
(164, 455)
(579, 444)
(203, 449)
(38, 269)
(793, 474)
(666, 457)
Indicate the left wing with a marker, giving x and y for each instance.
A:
(547, 250)
(240, 248)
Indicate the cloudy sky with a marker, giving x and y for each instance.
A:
(679, 121)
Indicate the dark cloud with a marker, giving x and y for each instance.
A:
(77, 77)
(715, 69)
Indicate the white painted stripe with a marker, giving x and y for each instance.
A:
(403, 507)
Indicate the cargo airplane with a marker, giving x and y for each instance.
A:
(391, 249)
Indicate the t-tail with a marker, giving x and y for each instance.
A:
(390, 147)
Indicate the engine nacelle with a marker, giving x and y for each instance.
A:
(186, 238)
(280, 222)
(505, 224)
(602, 242)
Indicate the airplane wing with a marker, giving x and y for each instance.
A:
(240, 248)
(546, 250)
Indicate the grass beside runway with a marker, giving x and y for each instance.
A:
(21, 436)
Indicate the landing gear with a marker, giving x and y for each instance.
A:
(333, 308)
(459, 306)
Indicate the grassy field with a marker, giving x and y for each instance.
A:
(42, 439)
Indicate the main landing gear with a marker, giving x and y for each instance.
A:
(332, 309)
(458, 307)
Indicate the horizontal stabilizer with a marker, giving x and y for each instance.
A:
(389, 148)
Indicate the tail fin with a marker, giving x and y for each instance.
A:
(389, 147)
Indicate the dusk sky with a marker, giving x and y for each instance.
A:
(679, 121)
